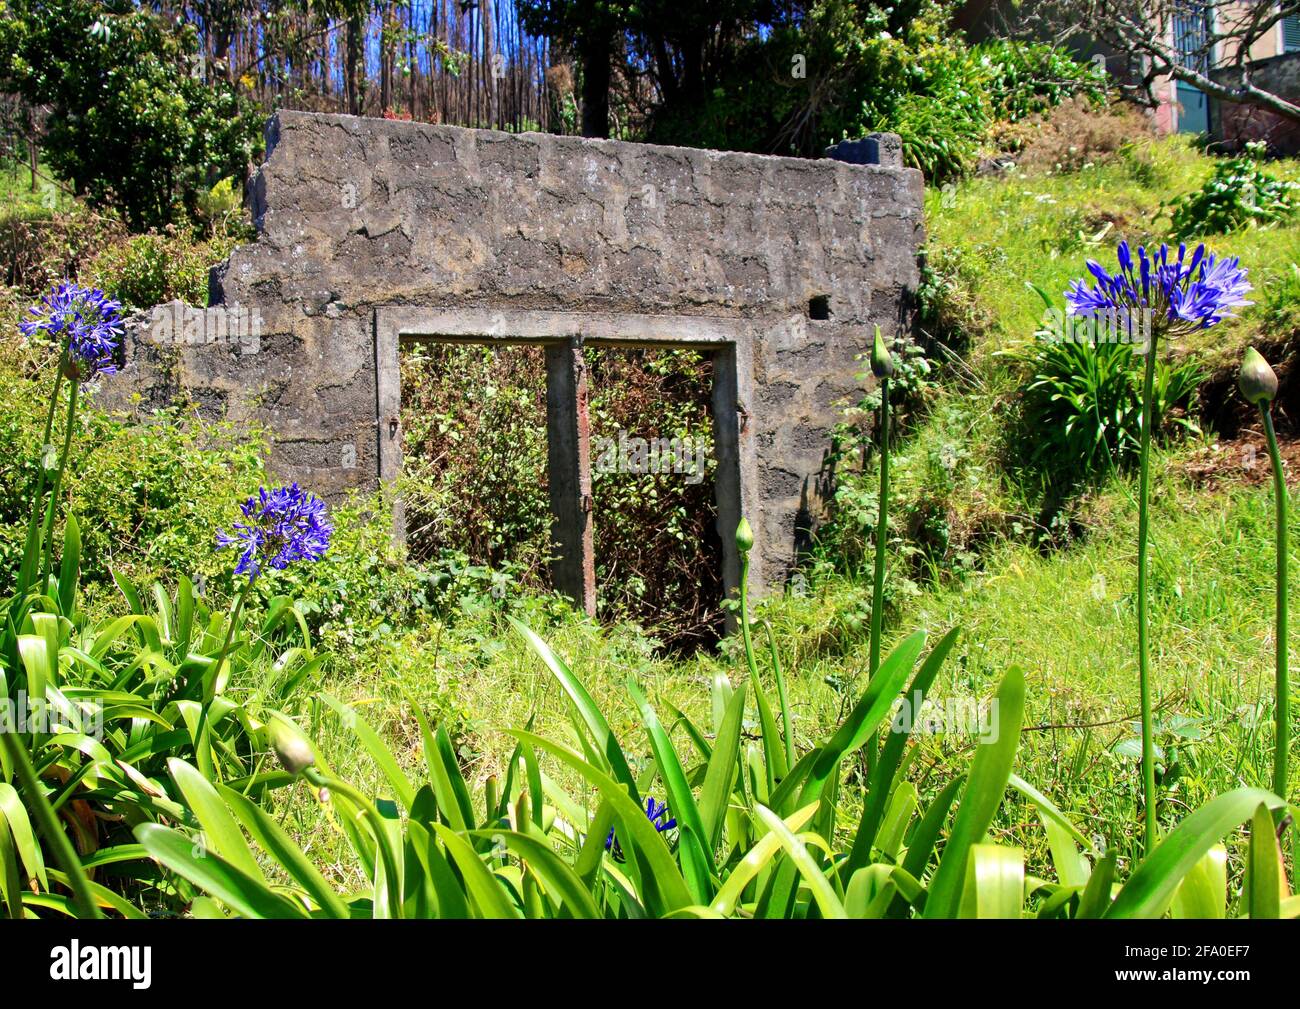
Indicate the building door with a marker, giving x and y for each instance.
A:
(1191, 39)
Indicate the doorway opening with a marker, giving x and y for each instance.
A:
(664, 388)
(474, 481)
(473, 440)
(658, 555)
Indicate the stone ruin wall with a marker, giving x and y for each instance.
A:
(373, 230)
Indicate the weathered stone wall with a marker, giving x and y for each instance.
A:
(1237, 125)
(359, 217)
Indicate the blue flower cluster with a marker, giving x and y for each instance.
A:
(656, 813)
(284, 525)
(1181, 294)
(87, 319)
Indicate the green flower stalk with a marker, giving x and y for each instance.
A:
(1164, 292)
(32, 551)
(86, 325)
(882, 366)
(1258, 385)
(47, 529)
(1144, 644)
(776, 754)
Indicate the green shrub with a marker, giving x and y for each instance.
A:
(157, 267)
(221, 209)
(1239, 194)
(133, 485)
(131, 123)
(941, 131)
(953, 96)
(1024, 79)
(363, 590)
(930, 91)
(1080, 413)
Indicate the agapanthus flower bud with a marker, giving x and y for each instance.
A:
(289, 743)
(1257, 381)
(744, 536)
(882, 362)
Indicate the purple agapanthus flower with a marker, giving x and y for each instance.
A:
(284, 525)
(656, 813)
(87, 319)
(1181, 294)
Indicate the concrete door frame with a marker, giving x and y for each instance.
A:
(563, 334)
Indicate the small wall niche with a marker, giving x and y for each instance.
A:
(819, 307)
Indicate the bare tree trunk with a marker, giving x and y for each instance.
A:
(489, 64)
(33, 152)
(387, 56)
(354, 61)
(595, 55)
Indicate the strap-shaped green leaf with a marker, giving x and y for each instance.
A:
(552, 870)
(439, 776)
(828, 902)
(664, 890)
(1203, 893)
(721, 771)
(69, 566)
(489, 895)
(401, 785)
(1150, 889)
(1263, 867)
(589, 714)
(755, 861)
(680, 800)
(276, 843)
(249, 897)
(20, 827)
(995, 882)
(885, 771)
(221, 834)
(990, 771)
(866, 715)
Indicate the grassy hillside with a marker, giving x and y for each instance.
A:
(1063, 607)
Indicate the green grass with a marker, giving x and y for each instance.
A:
(1040, 228)
(18, 196)
(1066, 619)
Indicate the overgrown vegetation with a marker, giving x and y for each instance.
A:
(475, 480)
(430, 695)
(1240, 193)
(130, 122)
